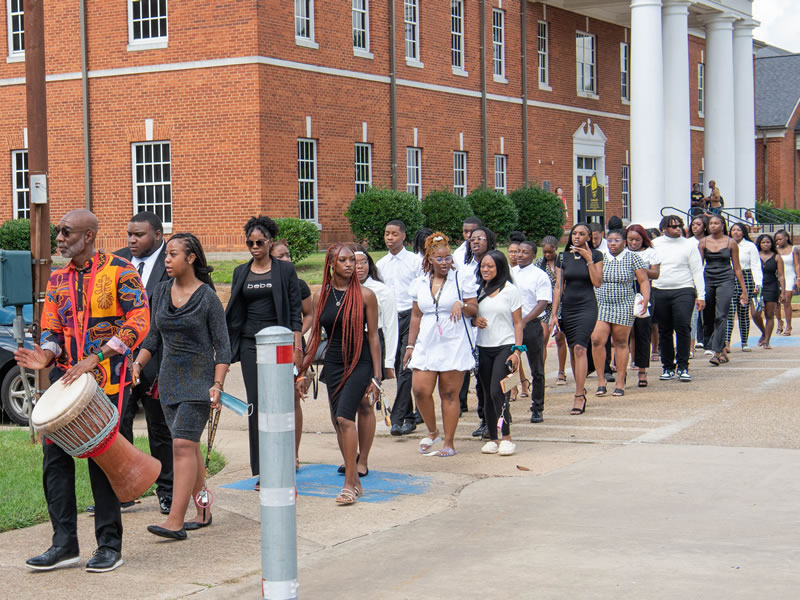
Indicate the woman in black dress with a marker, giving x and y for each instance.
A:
(188, 324)
(264, 293)
(579, 270)
(352, 367)
(772, 288)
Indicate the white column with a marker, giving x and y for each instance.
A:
(720, 151)
(647, 113)
(744, 113)
(677, 136)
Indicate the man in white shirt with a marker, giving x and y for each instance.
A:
(469, 225)
(598, 237)
(398, 269)
(537, 292)
(146, 251)
(679, 286)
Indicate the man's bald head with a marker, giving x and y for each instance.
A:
(81, 219)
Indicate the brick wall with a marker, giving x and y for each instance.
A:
(233, 129)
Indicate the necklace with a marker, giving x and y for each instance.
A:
(336, 297)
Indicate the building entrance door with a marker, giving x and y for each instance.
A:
(587, 166)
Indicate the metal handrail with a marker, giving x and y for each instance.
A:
(790, 224)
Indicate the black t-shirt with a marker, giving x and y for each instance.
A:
(305, 291)
(697, 199)
(257, 294)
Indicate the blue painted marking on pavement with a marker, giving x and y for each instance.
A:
(322, 481)
(777, 340)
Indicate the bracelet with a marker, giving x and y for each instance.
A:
(219, 383)
(300, 378)
(410, 346)
(298, 348)
(521, 348)
(100, 355)
(137, 363)
(377, 383)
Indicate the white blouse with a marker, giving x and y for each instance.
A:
(749, 260)
(497, 310)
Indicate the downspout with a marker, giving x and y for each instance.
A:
(794, 155)
(393, 93)
(87, 166)
(766, 170)
(524, 34)
(484, 132)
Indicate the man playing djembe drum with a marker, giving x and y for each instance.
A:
(112, 318)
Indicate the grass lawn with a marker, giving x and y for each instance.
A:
(23, 503)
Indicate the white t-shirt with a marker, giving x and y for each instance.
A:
(649, 256)
(534, 285)
(398, 271)
(497, 311)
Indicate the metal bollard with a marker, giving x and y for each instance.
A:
(274, 347)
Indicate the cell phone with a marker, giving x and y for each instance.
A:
(510, 366)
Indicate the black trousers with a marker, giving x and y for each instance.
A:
(673, 315)
(642, 328)
(462, 395)
(58, 480)
(491, 369)
(247, 351)
(533, 338)
(715, 314)
(403, 408)
(158, 434)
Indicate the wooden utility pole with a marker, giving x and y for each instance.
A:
(36, 95)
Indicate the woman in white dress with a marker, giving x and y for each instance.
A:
(791, 271)
(439, 347)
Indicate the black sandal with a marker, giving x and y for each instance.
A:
(601, 390)
(582, 409)
(618, 392)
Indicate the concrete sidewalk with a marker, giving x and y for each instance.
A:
(672, 491)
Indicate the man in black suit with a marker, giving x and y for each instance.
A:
(146, 251)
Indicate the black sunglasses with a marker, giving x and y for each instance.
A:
(66, 231)
(257, 243)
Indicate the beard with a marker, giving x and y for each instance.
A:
(72, 250)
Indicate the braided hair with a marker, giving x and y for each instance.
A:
(433, 242)
(202, 270)
(351, 312)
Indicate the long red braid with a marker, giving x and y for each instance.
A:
(351, 312)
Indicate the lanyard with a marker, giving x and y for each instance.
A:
(436, 302)
(80, 334)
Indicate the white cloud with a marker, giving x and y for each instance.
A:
(780, 23)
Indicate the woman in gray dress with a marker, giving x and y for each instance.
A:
(615, 299)
(188, 323)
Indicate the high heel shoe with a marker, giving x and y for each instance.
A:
(582, 409)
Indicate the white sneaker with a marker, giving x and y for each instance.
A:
(489, 448)
(507, 448)
(708, 353)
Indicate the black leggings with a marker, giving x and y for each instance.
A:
(491, 369)
(642, 328)
(715, 314)
(247, 351)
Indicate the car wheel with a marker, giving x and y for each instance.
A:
(12, 394)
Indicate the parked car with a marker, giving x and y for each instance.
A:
(12, 390)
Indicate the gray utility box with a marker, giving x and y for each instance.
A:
(16, 281)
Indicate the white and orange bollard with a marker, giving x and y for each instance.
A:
(274, 352)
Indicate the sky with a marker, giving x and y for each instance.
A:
(780, 23)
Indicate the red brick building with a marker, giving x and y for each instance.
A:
(778, 127)
(210, 113)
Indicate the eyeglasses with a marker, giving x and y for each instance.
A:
(256, 243)
(66, 231)
(443, 259)
(477, 238)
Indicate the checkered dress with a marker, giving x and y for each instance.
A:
(615, 297)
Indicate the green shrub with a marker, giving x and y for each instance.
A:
(496, 210)
(15, 234)
(445, 211)
(541, 213)
(301, 235)
(369, 212)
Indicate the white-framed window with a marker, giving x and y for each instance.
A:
(307, 178)
(499, 44)
(16, 28)
(625, 193)
(152, 179)
(414, 171)
(701, 89)
(411, 21)
(304, 23)
(625, 72)
(701, 179)
(460, 173)
(20, 186)
(457, 34)
(585, 61)
(500, 173)
(544, 69)
(361, 26)
(363, 167)
(147, 24)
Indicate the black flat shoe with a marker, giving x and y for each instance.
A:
(53, 558)
(168, 533)
(193, 525)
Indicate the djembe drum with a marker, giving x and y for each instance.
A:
(81, 419)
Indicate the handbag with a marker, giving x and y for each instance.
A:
(640, 311)
(472, 346)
